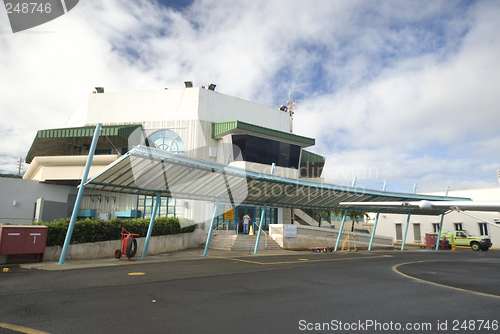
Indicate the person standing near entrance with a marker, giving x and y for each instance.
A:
(246, 223)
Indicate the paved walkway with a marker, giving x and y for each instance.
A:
(182, 255)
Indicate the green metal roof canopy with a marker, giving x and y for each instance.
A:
(237, 127)
(311, 157)
(65, 141)
(147, 171)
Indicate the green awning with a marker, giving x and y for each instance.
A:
(311, 157)
(311, 165)
(65, 141)
(237, 127)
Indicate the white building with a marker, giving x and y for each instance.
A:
(394, 226)
(197, 122)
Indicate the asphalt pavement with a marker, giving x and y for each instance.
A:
(273, 292)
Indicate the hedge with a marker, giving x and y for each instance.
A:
(94, 230)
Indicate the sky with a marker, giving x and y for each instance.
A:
(403, 91)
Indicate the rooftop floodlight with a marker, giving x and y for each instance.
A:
(212, 86)
(100, 89)
(188, 84)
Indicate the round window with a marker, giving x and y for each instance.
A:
(166, 140)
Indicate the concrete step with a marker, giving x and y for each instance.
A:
(222, 241)
(247, 242)
(241, 242)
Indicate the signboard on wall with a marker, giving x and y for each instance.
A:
(290, 231)
(229, 214)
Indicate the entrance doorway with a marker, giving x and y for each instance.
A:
(240, 212)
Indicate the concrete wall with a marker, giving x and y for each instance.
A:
(181, 104)
(106, 249)
(25, 193)
(65, 167)
(387, 222)
(309, 236)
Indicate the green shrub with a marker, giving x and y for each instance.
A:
(94, 230)
(187, 225)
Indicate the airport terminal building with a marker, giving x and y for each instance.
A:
(193, 121)
(229, 145)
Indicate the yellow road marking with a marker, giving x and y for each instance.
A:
(395, 269)
(136, 274)
(298, 261)
(21, 329)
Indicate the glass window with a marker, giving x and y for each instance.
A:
(435, 227)
(266, 151)
(483, 229)
(239, 142)
(166, 140)
(399, 232)
(416, 232)
(168, 207)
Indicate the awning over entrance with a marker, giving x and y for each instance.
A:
(147, 171)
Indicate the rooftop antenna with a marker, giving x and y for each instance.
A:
(291, 106)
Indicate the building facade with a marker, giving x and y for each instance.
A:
(196, 122)
(394, 226)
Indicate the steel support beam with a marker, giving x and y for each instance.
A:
(343, 221)
(151, 224)
(407, 222)
(74, 215)
(376, 221)
(441, 224)
(209, 236)
(262, 219)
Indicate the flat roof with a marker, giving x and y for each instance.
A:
(148, 171)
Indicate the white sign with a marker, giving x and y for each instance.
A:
(290, 231)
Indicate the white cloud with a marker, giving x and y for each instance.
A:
(407, 88)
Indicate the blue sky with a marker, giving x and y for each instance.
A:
(406, 91)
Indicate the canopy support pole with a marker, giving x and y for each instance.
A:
(151, 224)
(74, 215)
(441, 224)
(407, 222)
(216, 211)
(262, 217)
(343, 221)
(262, 220)
(340, 231)
(376, 221)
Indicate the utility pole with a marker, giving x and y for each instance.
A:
(19, 166)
